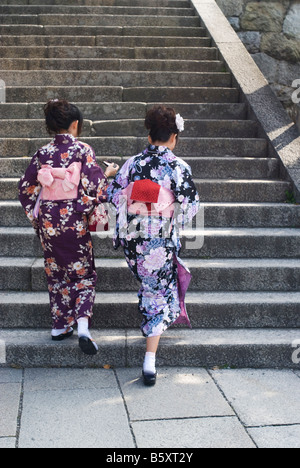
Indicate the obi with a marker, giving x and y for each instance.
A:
(60, 183)
(147, 198)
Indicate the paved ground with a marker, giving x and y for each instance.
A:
(189, 408)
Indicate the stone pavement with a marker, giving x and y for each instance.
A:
(188, 408)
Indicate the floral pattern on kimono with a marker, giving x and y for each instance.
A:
(63, 228)
(148, 251)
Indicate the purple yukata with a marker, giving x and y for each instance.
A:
(63, 228)
(151, 244)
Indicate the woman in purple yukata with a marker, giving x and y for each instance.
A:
(61, 187)
(154, 195)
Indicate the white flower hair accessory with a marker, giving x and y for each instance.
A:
(179, 123)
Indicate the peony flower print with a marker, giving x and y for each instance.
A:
(156, 260)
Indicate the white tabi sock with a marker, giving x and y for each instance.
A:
(83, 328)
(149, 363)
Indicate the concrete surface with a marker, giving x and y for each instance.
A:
(188, 408)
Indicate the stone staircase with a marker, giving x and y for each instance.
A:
(115, 59)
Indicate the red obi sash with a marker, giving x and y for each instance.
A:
(147, 198)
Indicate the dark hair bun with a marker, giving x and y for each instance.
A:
(161, 123)
(60, 114)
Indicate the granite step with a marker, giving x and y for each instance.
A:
(217, 215)
(101, 20)
(27, 274)
(105, 41)
(193, 128)
(106, 64)
(133, 127)
(219, 168)
(149, 53)
(158, 3)
(256, 348)
(213, 190)
(182, 94)
(31, 94)
(207, 310)
(196, 244)
(128, 79)
(128, 146)
(68, 30)
(95, 10)
(129, 110)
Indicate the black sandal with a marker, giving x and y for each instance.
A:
(149, 379)
(87, 346)
(63, 336)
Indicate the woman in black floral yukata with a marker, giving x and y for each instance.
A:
(160, 196)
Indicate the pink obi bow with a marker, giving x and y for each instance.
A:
(155, 201)
(60, 183)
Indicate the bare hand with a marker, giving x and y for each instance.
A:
(112, 170)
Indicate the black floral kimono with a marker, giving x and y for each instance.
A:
(152, 256)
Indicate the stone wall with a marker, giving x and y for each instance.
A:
(271, 32)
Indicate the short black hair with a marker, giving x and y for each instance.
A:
(60, 114)
(161, 123)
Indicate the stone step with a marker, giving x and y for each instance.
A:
(95, 10)
(187, 95)
(128, 146)
(127, 79)
(217, 243)
(19, 94)
(193, 128)
(27, 274)
(71, 52)
(220, 168)
(113, 65)
(213, 190)
(206, 310)
(252, 215)
(133, 127)
(129, 110)
(67, 30)
(101, 20)
(25, 128)
(105, 41)
(256, 348)
(72, 93)
(217, 215)
(162, 3)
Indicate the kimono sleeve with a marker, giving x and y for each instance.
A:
(29, 189)
(93, 187)
(186, 195)
(116, 198)
(121, 182)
